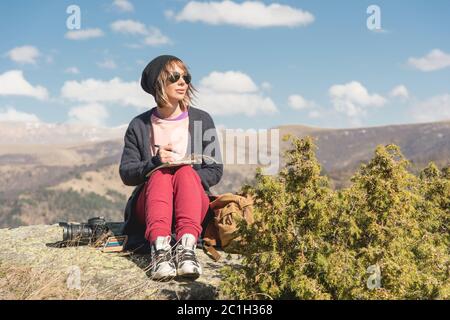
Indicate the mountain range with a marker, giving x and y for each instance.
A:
(60, 172)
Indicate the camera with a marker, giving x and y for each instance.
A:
(85, 233)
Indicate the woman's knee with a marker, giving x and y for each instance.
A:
(160, 176)
(186, 174)
(185, 171)
(159, 186)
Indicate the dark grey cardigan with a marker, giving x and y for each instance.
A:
(136, 162)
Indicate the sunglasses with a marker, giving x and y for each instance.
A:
(175, 76)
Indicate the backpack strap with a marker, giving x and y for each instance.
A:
(222, 200)
(211, 251)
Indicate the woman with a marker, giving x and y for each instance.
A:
(175, 196)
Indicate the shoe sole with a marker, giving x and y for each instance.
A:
(188, 276)
(163, 279)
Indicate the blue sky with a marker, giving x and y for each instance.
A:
(305, 62)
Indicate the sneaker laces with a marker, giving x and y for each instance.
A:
(187, 254)
(161, 256)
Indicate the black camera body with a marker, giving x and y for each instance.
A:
(85, 233)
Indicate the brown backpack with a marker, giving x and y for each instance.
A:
(223, 229)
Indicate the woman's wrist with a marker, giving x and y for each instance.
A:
(156, 160)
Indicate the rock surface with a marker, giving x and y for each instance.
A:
(29, 269)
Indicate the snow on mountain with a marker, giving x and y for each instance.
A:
(56, 133)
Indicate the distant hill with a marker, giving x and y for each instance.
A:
(340, 151)
(12, 133)
(50, 173)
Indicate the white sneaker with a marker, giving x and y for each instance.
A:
(187, 264)
(163, 266)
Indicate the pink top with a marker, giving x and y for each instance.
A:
(174, 130)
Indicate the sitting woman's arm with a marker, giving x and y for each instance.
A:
(132, 169)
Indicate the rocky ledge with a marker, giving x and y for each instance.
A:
(30, 269)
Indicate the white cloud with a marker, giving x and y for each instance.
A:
(352, 99)
(400, 91)
(156, 38)
(129, 27)
(12, 115)
(152, 35)
(72, 70)
(435, 60)
(232, 104)
(13, 83)
(123, 5)
(25, 54)
(93, 114)
(436, 108)
(250, 14)
(230, 81)
(84, 34)
(113, 91)
(297, 102)
(107, 64)
(235, 93)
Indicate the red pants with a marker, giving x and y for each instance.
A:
(172, 191)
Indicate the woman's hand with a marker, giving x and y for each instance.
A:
(165, 153)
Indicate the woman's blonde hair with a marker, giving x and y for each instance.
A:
(163, 80)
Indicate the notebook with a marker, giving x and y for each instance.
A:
(190, 160)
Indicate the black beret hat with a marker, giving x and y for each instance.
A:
(151, 73)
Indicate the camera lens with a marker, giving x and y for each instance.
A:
(84, 233)
(80, 233)
(66, 228)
